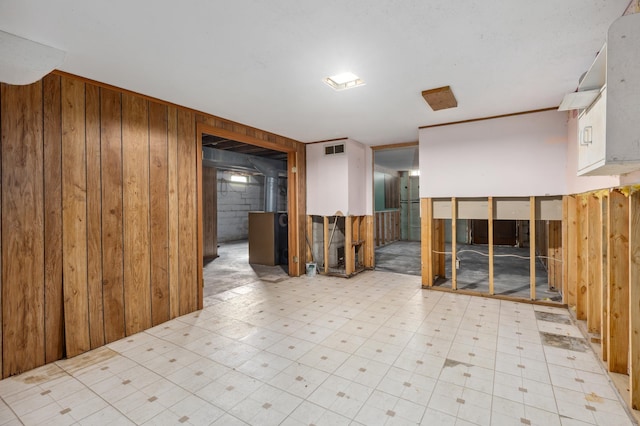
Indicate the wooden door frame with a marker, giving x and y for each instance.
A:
(293, 185)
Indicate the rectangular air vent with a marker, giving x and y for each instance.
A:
(334, 149)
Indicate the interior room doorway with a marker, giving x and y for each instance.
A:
(246, 198)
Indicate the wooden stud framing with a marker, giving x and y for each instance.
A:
(582, 250)
(490, 232)
(634, 299)
(438, 248)
(348, 246)
(325, 222)
(594, 284)
(570, 247)
(454, 243)
(617, 270)
(532, 247)
(309, 253)
(604, 275)
(426, 228)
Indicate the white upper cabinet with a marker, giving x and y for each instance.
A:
(609, 126)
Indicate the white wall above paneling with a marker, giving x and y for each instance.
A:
(520, 155)
(339, 183)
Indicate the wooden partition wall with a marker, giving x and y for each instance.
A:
(387, 225)
(603, 241)
(593, 258)
(101, 218)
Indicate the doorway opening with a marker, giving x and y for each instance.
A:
(397, 208)
(246, 200)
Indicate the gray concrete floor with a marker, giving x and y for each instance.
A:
(511, 273)
(232, 270)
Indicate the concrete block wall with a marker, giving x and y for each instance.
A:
(236, 200)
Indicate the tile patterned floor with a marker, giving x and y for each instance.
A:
(372, 350)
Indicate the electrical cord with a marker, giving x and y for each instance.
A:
(496, 255)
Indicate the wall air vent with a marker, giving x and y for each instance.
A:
(334, 149)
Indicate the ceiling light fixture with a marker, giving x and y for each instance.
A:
(345, 80)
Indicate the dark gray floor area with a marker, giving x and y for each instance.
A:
(232, 270)
(511, 268)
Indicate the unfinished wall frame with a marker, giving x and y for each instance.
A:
(548, 211)
(340, 245)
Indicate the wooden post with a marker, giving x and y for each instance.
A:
(426, 241)
(438, 246)
(594, 284)
(454, 243)
(582, 250)
(325, 221)
(569, 254)
(634, 299)
(348, 246)
(617, 322)
(369, 253)
(310, 257)
(490, 232)
(532, 247)
(604, 274)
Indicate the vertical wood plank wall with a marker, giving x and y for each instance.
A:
(99, 188)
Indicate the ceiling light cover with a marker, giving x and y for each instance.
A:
(345, 80)
(440, 98)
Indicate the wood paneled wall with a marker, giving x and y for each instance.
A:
(86, 195)
(101, 215)
(209, 212)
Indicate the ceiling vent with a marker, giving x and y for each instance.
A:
(334, 149)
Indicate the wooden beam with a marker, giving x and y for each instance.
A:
(570, 257)
(490, 242)
(617, 322)
(594, 284)
(348, 246)
(582, 250)
(438, 246)
(604, 274)
(325, 222)
(370, 257)
(634, 299)
(454, 243)
(532, 247)
(309, 253)
(426, 241)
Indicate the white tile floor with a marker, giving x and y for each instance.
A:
(374, 349)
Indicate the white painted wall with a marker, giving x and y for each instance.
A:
(340, 182)
(520, 155)
(578, 184)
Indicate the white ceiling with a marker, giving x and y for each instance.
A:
(262, 62)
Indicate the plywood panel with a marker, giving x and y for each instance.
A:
(634, 299)
(135, 171)
(210, 212)
(53, 308)
(159, 214)
(594, 286)
(617, 321)
(74, 218)
(187, 217)
(172, 166)
(112, 226)
(94, 217)
(23, 214)
(582, 255)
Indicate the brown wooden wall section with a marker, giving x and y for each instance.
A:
(99, 218)
(101, 215)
